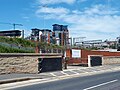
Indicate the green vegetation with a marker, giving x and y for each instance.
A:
(4, 49)
(17, 41)
(114, 46)
(16, 45)
(44, 45)
(19, 45)
(92, 48)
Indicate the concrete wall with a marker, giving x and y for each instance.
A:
(111, 60)
(21, 63)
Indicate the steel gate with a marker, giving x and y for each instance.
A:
(96, 60)
(49, 64)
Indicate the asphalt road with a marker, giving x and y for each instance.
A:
(106, 81)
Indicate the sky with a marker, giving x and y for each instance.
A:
(93, 19)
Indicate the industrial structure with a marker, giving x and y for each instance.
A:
(96, 44)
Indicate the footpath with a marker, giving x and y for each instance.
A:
(72, 71)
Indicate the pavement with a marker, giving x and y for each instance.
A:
(71, 71)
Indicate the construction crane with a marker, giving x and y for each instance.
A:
(14, 24)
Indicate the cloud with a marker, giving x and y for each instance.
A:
(82, 0)
(50, 10)
(92, 35)
(99, 23)
(100, 10)
(52, 13)
(95, 21)
(44, 2)
(25, 17)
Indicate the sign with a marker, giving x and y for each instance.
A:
(76, 53)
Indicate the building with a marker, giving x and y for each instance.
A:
(35, 34)
(11, 33)
(42, 35)
(61, 34)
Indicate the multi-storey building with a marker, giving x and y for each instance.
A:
(11, 33)
(60, 35)
(42, 35)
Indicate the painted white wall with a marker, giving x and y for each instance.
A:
(76, 53)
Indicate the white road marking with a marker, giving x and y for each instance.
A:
(53, 74)
(100, 85)
(75, 72)
(64, 73)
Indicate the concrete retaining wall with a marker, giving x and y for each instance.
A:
(111, 60)
(21, 63)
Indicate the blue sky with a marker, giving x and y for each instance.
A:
(93, 19)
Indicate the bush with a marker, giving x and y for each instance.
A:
(17, 41)
(4, 49)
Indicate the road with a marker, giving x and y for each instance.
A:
(106, 81)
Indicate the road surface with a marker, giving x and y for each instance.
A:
(106, 81)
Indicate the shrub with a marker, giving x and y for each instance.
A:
(4, 49)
